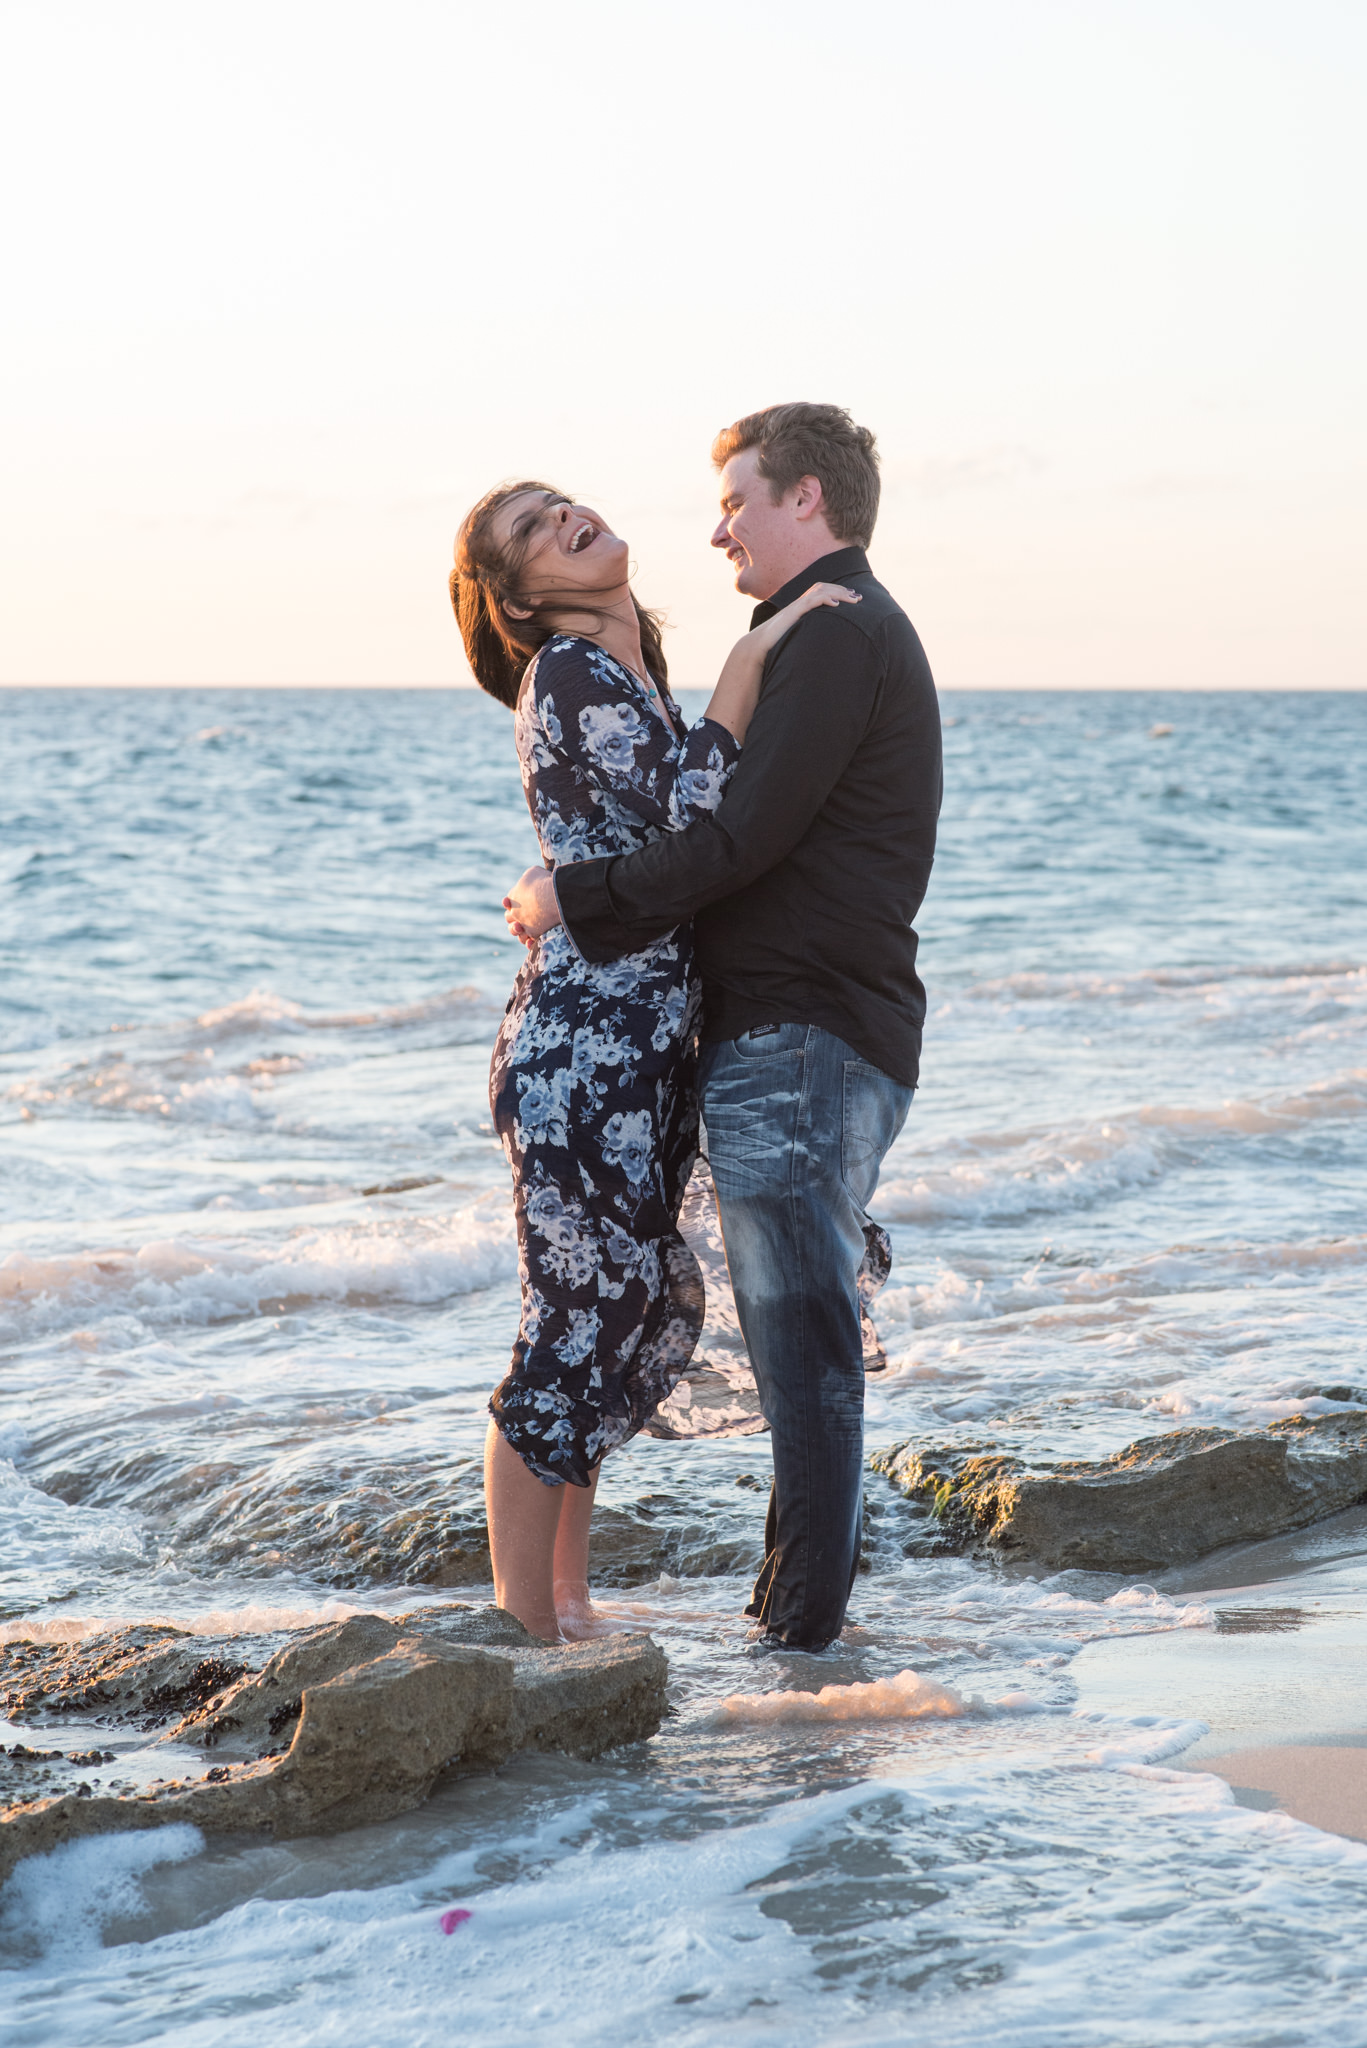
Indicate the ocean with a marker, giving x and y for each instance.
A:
(257, 1278)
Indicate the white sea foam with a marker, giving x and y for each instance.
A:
(57, 1905)
(1235, 1334)
(905, 1697)
(955, 1296)
(774, 1910)
(263, 1010)
(1138, 1740)
(257, 1619)
(420, 1259)
(1132, 1610)
(41, 1535)
(178, 1088)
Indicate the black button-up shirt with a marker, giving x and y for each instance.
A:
(804, 882)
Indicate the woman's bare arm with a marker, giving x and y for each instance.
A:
(733, 702)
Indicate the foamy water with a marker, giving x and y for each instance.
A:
(257, 1277)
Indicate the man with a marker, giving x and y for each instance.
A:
(802, 887)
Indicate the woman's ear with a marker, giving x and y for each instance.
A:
(514, 611)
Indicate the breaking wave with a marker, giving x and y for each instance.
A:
(996, 1177)
(178, 1071)
(415, 1259)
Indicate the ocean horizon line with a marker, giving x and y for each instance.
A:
(944, 689)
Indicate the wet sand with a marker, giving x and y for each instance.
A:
(1280, 1679)
(1326, 1786)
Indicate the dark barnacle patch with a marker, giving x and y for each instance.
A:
(210, 1676)
(285, 1716)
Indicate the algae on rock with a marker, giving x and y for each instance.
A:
(1165, 1500)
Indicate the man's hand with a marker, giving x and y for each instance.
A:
(531, 911)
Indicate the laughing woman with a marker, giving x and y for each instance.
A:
(592, 1082)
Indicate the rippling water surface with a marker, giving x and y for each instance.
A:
(257, 1277)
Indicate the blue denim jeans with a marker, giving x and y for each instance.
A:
(797, 1126)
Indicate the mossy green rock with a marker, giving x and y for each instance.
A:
(1162, 1501)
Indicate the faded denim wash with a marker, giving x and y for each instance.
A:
(797, 1128)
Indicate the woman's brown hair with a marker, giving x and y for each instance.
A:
(487, 578)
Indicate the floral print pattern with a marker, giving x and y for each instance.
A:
(593, 1081)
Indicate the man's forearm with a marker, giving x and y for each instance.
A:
(620, 904)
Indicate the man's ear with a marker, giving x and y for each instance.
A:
(808, 497)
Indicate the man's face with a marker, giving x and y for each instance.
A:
(755, 534)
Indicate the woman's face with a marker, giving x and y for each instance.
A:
(564, 547)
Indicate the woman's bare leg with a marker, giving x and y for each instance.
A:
(575, 1611)
(524, 1515)
(573, 1608)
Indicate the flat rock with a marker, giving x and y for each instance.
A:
(1163, 1501)
(145, 1675)
(256, 1716)
(340, 1726)
(588, 1697)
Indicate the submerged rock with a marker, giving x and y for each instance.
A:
(415, 1521)
(342, 1725)
(371, 1520)
(1163, 1501)
(664, 1534)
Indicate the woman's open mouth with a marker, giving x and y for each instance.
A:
(585, 538)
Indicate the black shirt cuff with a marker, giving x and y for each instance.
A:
(587, 913)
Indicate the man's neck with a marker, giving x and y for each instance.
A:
(820, 545)
(813, 572)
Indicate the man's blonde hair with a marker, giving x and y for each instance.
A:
(813, 440)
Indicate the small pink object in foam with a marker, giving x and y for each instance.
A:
(457, 1917)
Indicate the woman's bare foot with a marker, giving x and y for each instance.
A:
(580, 1621)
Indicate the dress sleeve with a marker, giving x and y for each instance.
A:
(594, 721)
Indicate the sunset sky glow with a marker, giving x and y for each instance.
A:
(290, 285)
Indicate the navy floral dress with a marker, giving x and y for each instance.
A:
(593, 1081)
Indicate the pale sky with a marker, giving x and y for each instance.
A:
(290, 284)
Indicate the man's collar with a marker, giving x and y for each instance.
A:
(830, 569)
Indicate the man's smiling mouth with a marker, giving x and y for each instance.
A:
(584, 538)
